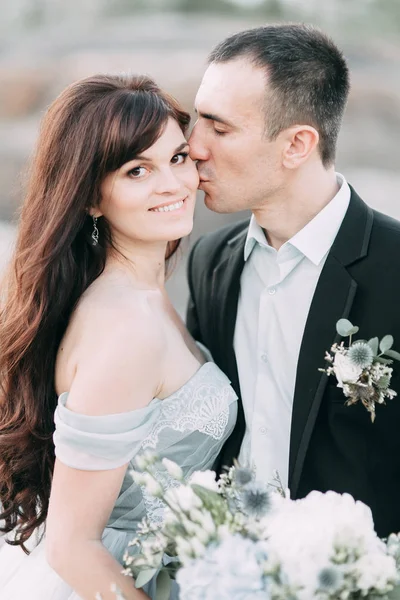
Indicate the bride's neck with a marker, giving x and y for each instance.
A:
(143, 263)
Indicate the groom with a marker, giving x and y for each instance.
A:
(266, 293)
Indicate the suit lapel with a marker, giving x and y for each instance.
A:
(224, 303)
(333, 299)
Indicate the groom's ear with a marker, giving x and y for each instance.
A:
(299, 143)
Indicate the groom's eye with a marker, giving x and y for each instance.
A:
(219, 132)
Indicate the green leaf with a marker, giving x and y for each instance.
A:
(144, 577)
(386, 343)
(344, 327)
(163, 586)
(393, 354)
(374, 344)
(205, 494)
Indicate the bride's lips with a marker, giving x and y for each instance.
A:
(175, 206)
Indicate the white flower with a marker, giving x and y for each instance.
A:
(230, 571)
(376, 571)
(173, 469)
(182, 498)
(184, 550)
(148, 482)
(203, 518)
(197, 546)
(152, 485)
(223, 532)
(137, 477)
(345, 370)
(206, 479)
(144, 460)
(305, 535)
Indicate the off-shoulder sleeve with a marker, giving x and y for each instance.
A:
(102, 442)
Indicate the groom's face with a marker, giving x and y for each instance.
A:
(239, 166)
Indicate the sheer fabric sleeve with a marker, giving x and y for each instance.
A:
(101, 442)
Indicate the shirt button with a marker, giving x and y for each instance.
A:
(263, 430)
(272, 291)
(264, 358)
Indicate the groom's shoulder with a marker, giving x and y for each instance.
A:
(385, 239)
(384, 231)
(386, 225)
(212, 247)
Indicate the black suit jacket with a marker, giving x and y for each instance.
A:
(332, 447)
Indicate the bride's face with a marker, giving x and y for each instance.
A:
(152, 198)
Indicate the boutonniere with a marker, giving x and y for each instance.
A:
(362, 368)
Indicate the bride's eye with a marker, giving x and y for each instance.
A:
(137, 172)
(180, 158)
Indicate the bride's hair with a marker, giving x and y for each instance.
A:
(93, 128)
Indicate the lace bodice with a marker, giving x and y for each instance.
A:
(189, 427)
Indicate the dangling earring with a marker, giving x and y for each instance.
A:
(95, 232)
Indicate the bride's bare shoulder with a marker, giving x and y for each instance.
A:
(116, 332)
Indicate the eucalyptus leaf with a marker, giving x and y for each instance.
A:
(207, 495)
(144, 577)
(386, 343)
(163, 586)
(374, 344)
(344, 327)
(393, 354)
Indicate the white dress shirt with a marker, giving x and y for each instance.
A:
(276, 290)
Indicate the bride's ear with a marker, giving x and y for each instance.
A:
(94, 212)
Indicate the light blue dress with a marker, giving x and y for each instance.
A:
(189, 427)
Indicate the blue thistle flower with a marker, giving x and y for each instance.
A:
(361, 355)
(255, 499)
(330, 579)
(243, 476)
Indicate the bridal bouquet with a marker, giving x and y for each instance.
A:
(238, 540)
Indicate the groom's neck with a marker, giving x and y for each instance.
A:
(305, 193)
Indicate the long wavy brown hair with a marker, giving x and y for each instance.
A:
(93, 128)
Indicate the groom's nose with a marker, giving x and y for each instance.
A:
(198, 149)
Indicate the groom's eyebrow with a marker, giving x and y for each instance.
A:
(214, 117)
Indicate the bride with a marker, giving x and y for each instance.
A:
(96, 366)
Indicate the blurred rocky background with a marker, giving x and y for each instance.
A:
(46, 44)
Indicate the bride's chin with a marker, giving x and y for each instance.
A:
(180, 231)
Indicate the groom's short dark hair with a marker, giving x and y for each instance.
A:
(308, 78)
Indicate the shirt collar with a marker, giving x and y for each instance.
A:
(316, 238)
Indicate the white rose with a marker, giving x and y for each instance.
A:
(206, 479)
(345, 371)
